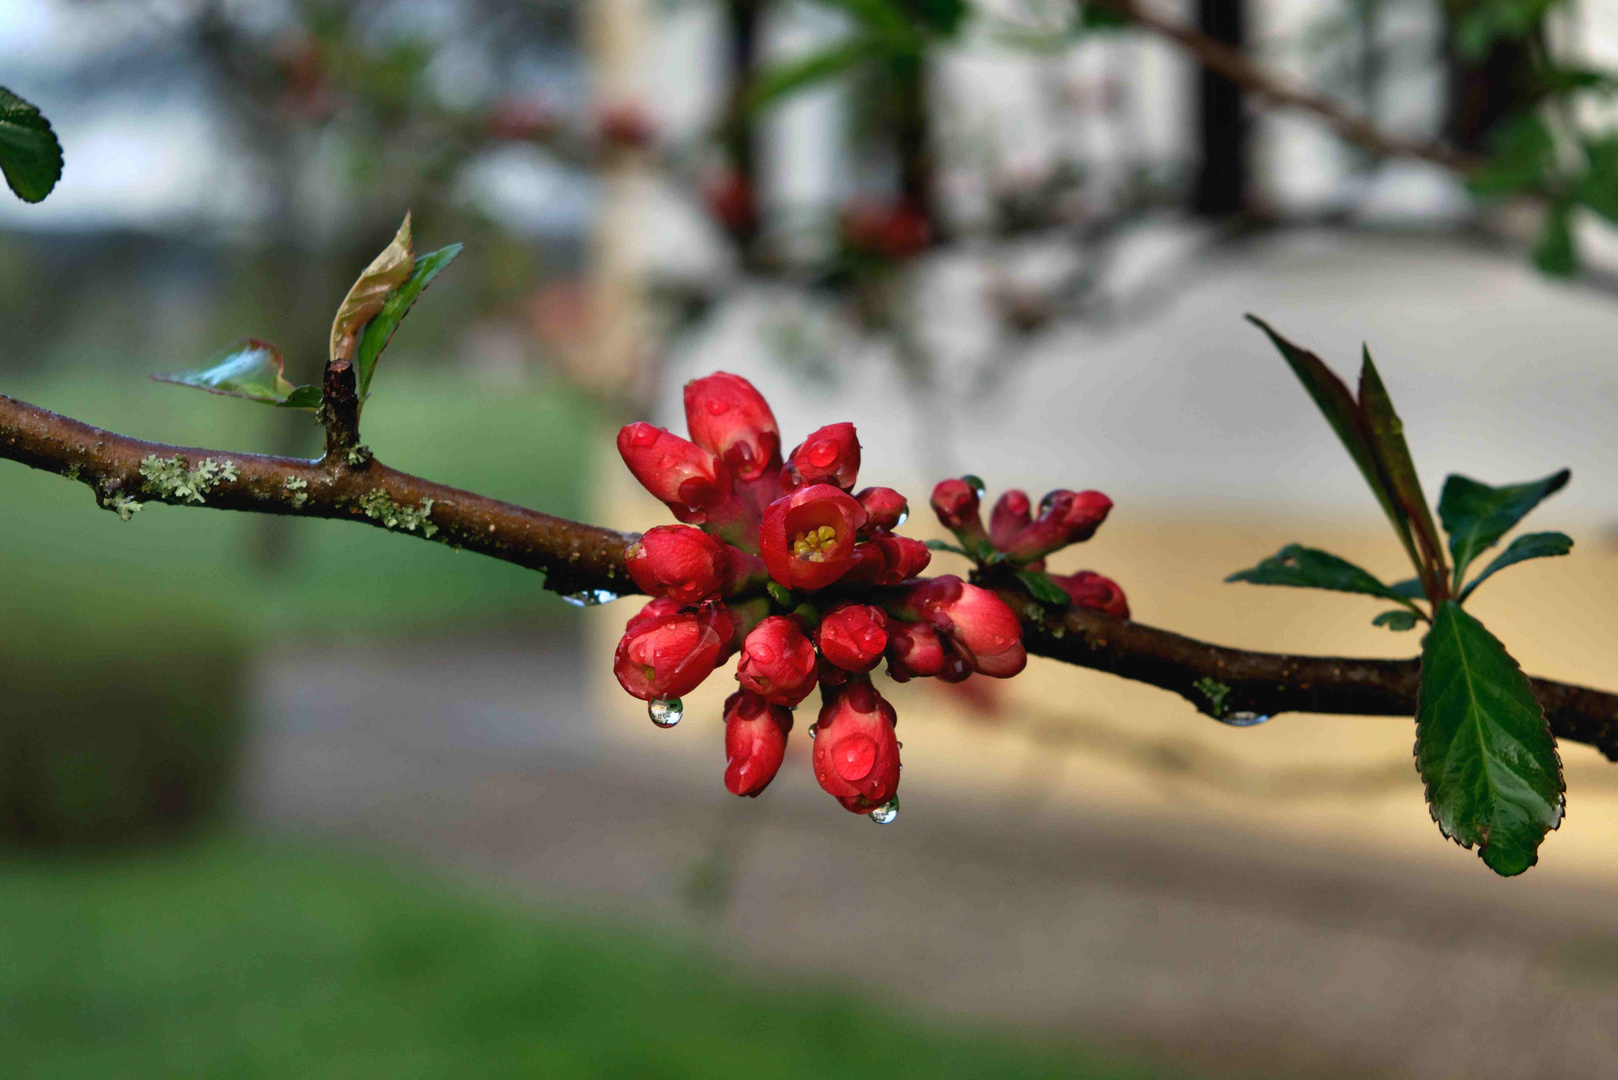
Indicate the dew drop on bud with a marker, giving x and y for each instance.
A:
(591, 597)
(1045, 503)
(976, 484)
(814, 729)
(823, 453)
(665, 713)
(887, 813)
(1243, 719)
(904, 516)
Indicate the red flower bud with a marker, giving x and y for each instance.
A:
(852, 636)
(905, 558)
(956, 504)
(856, 753)
(778, 662)
(679, 562)
(885, 509)
(755, 742)
(726, 415)
(830, 455)
(807, 537)
(978, 624)
(1065, 518)
(915, 651)
(666, 654)
(684, 476)
(1090, 590)
(1011, 515)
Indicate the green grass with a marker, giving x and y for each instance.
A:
(243, 960)
(527, 445)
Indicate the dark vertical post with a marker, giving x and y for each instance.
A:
(1221, 181)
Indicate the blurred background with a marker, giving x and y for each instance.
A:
(294, 798)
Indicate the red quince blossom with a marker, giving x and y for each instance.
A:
(665, 655)
(778, 661)
(679, 562)
(807, 538)
(830, 455)
(853, 636)
(956, 504)
(983, 630)
(1066, 517)
(915, 651)
(686, 478)
(856, 755)
(1011, 515)
(885, 510)
(727, 416)
(1090, 590)
(755, 742)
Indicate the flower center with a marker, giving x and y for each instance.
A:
(815, 544)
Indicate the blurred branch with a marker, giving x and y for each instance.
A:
(125, 473)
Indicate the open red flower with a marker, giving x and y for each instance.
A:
(830, 455)
(755, 742)
(665, 655)
(689, 480)
(915, 651)
(1090, 590)
(983, 630)
(852, 636)
(1065, 517)
(726, 415)
(679, 562)
(778, 661)
(856, 755)
(807, 538)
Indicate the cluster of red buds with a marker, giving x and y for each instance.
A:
(782, 562)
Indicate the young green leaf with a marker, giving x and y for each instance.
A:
(788, 78)
(30, 156)
(1483, 747)
(1042, 588)
(387, 272)
(1310, 568)
(1476, 515)
(1528, 546)
(1409, 589)
(379, 330)
(944, 545)
(250, 369)
(304, 397)
(1386, 432)
(1396, 620)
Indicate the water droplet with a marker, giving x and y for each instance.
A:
(716, 407)
(814, 729)
(1045, 503)
(823, 453)
(591, 597)
(976, 484)
(904, 516)
(665, 713)
(887, 813)
(645, 435)
(1243, 719)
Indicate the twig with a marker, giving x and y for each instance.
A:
(1220, 682)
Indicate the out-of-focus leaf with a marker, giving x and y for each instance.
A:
(1311, 568)
(1522, 158)
(944, 545)
(1042, 588)
(1483, 22)
(1557, 253)
(250, 369)
(304, 397)
(1598, 188)
(387, 272)
(1477, 515)
(379, 330)
(1396, 620)
(1483, 747)
(30, 156)
(1332, 396)
(1094, 16)
(1386, 432)
(788, 78)
(1409, 588)
(1529, 546)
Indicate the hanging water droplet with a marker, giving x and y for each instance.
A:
(814, 729)
(887, 813)
(665, 713)
(1045, 503)
(976, 484)
(904, 516)
(591, 597)
(1243, 719)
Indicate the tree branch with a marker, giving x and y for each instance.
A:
(1220, 58)
(124, 473)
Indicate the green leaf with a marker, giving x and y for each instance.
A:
(250, 369)
(1522, 158)
(1386, 432)
(304, 397)
(379, 331)
(30, 156)
(1402, 619)
(944, 545)
(1556, 253)
(1476, 515)
(1483, 747)
(1409, 588)
(1042, 588)
(1310, 568)
(1529, 546)
(365, 297)
(788, 78)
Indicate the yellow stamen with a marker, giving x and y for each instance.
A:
(814, 544)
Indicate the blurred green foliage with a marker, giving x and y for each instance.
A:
(225, 959)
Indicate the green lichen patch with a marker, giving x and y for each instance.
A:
(125, 506)
(358, 455)
(1216, 692)
(379, 506)
(171, 480)
(299, 489)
